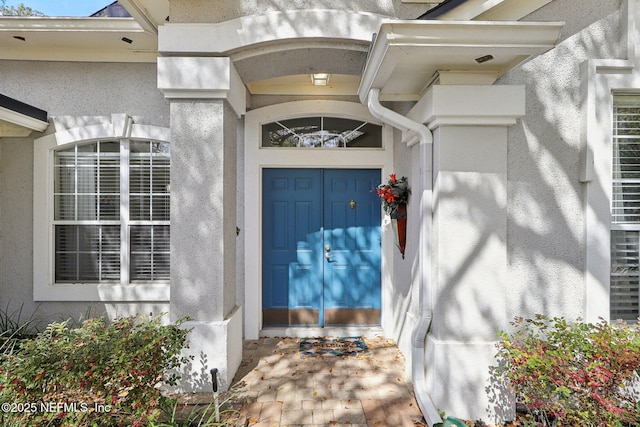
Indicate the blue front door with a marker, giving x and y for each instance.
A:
(320, 247)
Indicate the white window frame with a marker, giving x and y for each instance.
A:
(624, 225)
(601, 79)
(121, 128)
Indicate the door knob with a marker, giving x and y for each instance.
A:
(327, 248)
(327, 255)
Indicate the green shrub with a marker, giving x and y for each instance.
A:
(14, 327)
(573, 374)
(98, 374)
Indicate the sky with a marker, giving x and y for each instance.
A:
(63, 7)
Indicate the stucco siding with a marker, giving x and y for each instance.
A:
(545, 198)
(73, 94)
(206, 11)
(81, 89)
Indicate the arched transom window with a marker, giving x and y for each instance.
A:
(321, 132)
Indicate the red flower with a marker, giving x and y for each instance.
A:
(394, 193)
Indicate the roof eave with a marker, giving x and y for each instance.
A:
(400, 44)
(23, 115)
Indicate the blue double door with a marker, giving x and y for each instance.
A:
(320, 247)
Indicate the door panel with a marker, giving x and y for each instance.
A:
(321, 253)
(291, 247)
(352, 234)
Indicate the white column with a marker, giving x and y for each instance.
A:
(469, 241)
(207, 97)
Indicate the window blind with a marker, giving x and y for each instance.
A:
(92, 219)
(625, 209)
(624, 287)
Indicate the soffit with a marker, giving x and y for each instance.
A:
(76, 39)
(300, 84)
(407, 56)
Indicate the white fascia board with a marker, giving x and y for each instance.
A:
(494, 10)
(471, 33)
(68, 24)
(139, 12)
(22, 120)
(272, 27)
(377, 58)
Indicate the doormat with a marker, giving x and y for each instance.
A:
(333, 347)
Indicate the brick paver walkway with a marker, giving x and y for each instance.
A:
(282, 388)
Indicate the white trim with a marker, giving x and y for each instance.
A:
(22, 120)
(456, 105)
(16, 25)
(43, 252)
(600, 79)
(217, 78)
(257, 158)
(140, 13)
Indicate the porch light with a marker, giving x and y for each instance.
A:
(320, 79)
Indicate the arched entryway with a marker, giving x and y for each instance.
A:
(334, 179)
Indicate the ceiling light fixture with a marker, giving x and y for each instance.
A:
(320, 79)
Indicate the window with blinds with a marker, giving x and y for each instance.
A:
(625, 209)
(111, 212)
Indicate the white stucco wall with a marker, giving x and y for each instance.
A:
(207, 11)
(545, 198)
(73, 94)
(87, 89)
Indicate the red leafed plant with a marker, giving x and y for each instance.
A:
(394, 193)
(573, 373)
(106, 373)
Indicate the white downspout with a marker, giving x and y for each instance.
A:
(425, 304)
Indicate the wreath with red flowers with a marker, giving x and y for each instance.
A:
(394, 193)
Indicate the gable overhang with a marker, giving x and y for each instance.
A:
(407, 57)
(150, 14)
(76, 39)
(20, 119)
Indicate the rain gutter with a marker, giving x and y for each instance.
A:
(21, 114)
(425, 304)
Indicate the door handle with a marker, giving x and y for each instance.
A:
(327, 248)
(327, 255)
